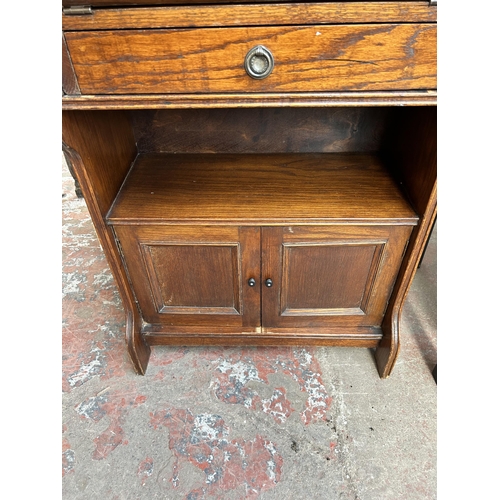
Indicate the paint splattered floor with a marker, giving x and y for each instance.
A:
(237, 423)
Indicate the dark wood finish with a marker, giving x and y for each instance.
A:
(328, 278)
(260, 190)
(270, 130)
(252, 15)
(107, 146)
(194, 276)
(414, 162)
(192, 280)
(410, 151)
(69, 164)
(100, 147)
(106, 3)
(323, 201)
(285, 338)
(69, 81)
(332, 335)
(256, 100)
(307, 58)
(329, 275)
(197, 276)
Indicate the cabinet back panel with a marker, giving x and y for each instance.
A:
(271, 130)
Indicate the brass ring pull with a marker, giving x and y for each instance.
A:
(259, 62)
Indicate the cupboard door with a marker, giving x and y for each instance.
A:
(194, 275)
(327, 276)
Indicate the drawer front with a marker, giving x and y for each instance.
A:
(306, 59)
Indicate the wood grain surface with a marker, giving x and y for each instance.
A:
(194, 276)
(342, 275)
(269, 130)
(185, 16)
(259, 190)
(332, 194)
(314, 336)
(255, 100)
(413, 151)
(100, 146)
(69, 81)
(108, 3)
(307, 58)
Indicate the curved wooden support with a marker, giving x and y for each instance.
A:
(412, 149)
(388, 349)
(90, 176)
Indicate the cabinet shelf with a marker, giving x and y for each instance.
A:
(260, 189)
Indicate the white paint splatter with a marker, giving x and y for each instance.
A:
(87, 370)
(240, 371)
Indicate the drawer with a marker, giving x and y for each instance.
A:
(357, 57)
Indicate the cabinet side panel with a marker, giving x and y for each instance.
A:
(411, 150)
(100, 147)
(106, 144)
(69, 81)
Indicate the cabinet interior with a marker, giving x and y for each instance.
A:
(275, 164)
(200, 201)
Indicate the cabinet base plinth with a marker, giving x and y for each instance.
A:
(369, 339)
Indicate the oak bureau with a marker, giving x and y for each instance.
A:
(257, 173)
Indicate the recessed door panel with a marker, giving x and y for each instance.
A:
(329, 275)
(328, 278)
(194, 276)
(197, 278)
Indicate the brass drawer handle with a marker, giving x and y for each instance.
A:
(259, 62)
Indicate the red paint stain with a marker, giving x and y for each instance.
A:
(115, 405)
(236, 368)
(68, 457)
(167, 355)
(278, 405)
(332, 455)
(114, 435)
(88, 349)
(145, 469)
(108, 440)
(203, 441)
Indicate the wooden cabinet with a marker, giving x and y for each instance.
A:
(191, 276)
(305, 278)
(258, 174)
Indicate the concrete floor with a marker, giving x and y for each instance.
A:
(234, 423)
